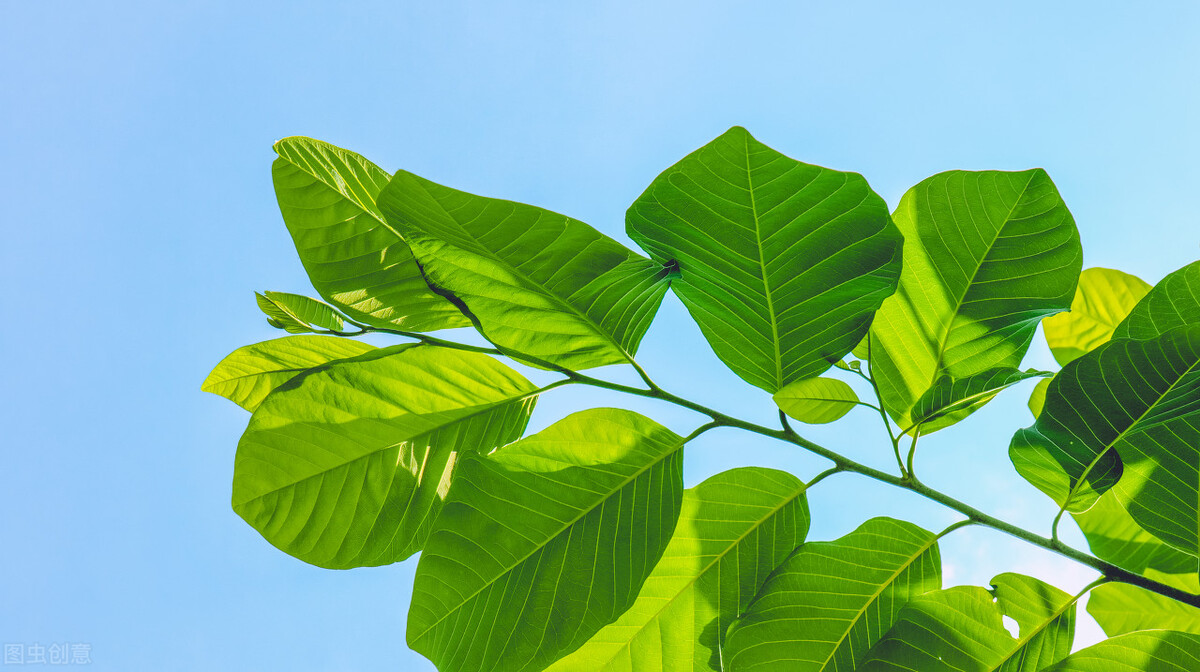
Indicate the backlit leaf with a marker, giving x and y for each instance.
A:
(354, 260)
(950, 399)
(1153, 651)
(781, 263)
(535, 282)
(962, 629)
(816, 400)
(987, 255)
(1114, 536)
(1113, 399)
(248, 374)
(298, 314)
(545, 541)
(347, 465)
(1173, 302)
(829, 602)
(1103, 299)
(1037, 397)
(1120, 607)
(733, 530)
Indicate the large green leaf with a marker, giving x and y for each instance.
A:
(348, 465)
(248, 374)
(355, 261)
(829, 602)
(781, 263)
(298, 314)
(951, 399)
(534, 282)
(1114, 536)
(1113, 399)
(733, 530)
(987, 255)
(1120, 607)
(1161, 484)
(962, 629)
(1103, 299)
(1173, 302)
(816, 400)
(1153, 651)
(545, 541)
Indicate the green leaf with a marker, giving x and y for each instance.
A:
(248, 374)
(355, 261)
(1153, 651)
(534, 282)
(829, 602)
(347, 465)
(1114, 536)
(962, 629)
(1120, 607)
(546, 541)
(1113, 399)
(1173, 302)
(950, 399)
(781, 263)
(1103, 299)
(816, 400)
(297, 314)
(1037, 398)
(987, 255)
(733, 530)
(1161, 484)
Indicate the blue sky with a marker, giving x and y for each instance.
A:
(139, 218)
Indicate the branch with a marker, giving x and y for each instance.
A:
(841, 463)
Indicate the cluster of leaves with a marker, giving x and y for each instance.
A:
(578, 548)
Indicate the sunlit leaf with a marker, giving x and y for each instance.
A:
(1161, 484)
(1120, 607)
(1103, 299)
(249, 373)
(354, 260)
(781, 263)
(348, 465)
(298, 314)
(829, 602)
(1153, 651)
(951, 399)
(545, 541)
(987, 255)
(733, 530)
(1112, 400)
(1037, 397)
(1114, 536)
(962, 629)
(816, 400)
(534, 282)
(1174, 302)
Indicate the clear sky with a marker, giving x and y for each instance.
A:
(138, 218)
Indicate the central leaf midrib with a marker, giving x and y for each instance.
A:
(758, 241)
(875, 597)
(463, 602)
(720, 556)
(945, 336)
(525, 277)
(1109, 446)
